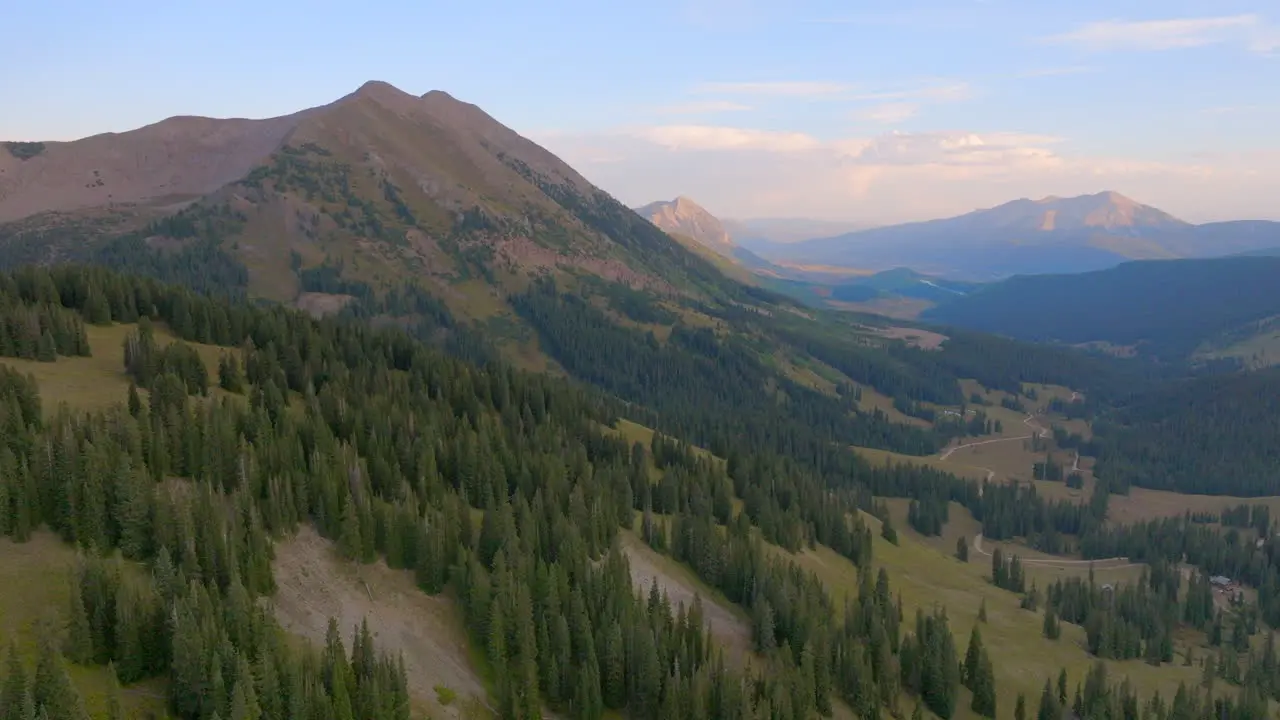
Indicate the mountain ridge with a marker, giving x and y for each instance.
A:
(1052, 234)
(379, 186)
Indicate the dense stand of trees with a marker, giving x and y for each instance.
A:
(1166, 308)
(386, 447)
(1212, 436)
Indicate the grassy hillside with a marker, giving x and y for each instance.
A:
(35, 578)
(99, 381)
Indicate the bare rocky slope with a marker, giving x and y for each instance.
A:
(688, 218)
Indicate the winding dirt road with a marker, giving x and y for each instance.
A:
(1036, 430)
(1102, 563)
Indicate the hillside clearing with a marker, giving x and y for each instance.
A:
(314, 584)
(99, 381)
(34, 588)
(727, 622)
(927, 578)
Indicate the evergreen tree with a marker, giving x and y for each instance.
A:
(1052, 629)
(52, 692)
(983, 685)
(79, 640)
(13, 694)
(1050, 706)
(972, 659)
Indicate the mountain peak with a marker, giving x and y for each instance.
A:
(1105, 211)
(685, 217)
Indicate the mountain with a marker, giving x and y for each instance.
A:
(353, 198)
(1168, 309)
(1078, 234)
(685, 217)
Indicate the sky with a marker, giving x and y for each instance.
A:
(874, 112)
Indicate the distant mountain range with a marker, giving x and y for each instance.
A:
(1051, 235)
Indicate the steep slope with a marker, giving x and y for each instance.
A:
(1079, 234)
(375, 189)
(1166, 309)
(173, 160)
(685, 217)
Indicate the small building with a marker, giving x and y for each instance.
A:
(1222, 582)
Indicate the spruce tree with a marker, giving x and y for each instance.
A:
(13, 694)
(1050, 708)
(972, 659)
(79, 640)
(1052, 629)
(114, 711)
(52, 691)
(983, 685)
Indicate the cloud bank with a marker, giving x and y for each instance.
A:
(897, 176)
(1250, 30)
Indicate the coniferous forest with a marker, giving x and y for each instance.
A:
(503, 488)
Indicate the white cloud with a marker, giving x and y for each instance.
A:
(702, 108)
(900, 176)
(710, 137)
(948, 92)
(799, 88)
(1248, 29)
(889, 113)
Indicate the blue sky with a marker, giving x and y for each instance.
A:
(868, 111)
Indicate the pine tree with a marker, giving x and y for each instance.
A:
(13, 695)
(349, 541)
(972, 659)
(114, 711)
(982, 611)
(79, 641)
(52, 691)
(96, 309)
(962, 549)
(983, 685)
(46, 348)
(135, 403)
(1052, 628)
(1050, 708)
(1020, 709)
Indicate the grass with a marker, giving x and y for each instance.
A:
(872, 400)
(1258, 351)
(885, 458)
(927, 577)
(97, 382)
(34, 589)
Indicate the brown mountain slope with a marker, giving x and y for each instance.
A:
(687, 218)
(378, 188)
(175, 159)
